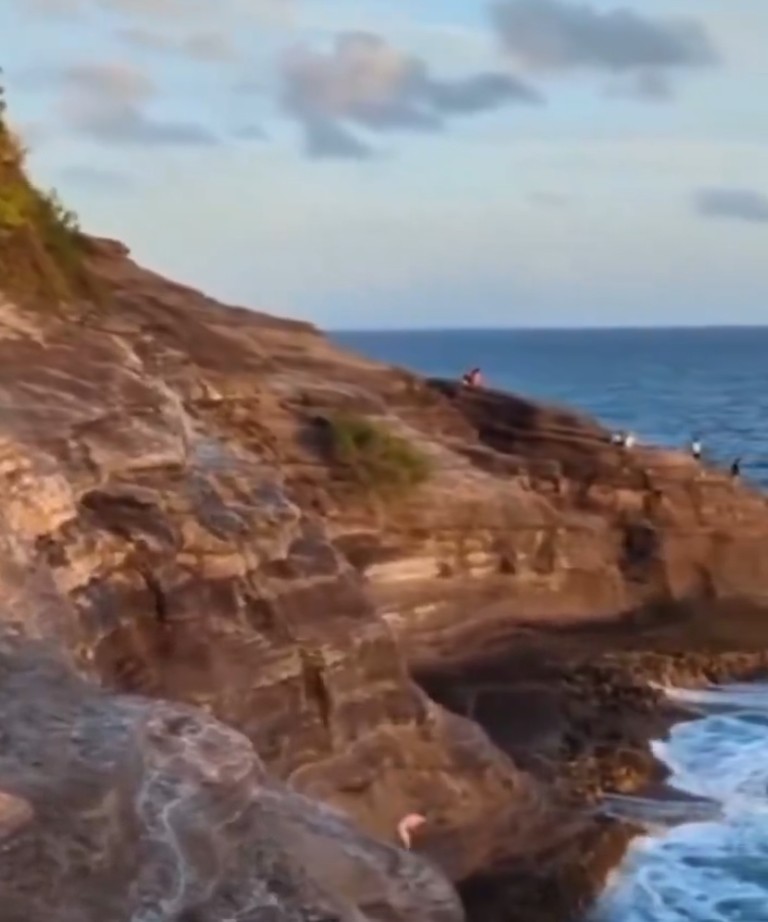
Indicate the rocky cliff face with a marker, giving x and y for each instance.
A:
(152, 544)
(117, 808)
(175, 529)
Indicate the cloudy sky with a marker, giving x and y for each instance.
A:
(395, 163)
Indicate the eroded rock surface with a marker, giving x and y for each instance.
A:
(173, 525)
(122, 808)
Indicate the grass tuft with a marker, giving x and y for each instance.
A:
(379, 460)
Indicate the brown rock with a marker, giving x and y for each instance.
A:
(175, 528)
(127, 808)
(15, 814)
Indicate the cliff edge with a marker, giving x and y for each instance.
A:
(365, 593)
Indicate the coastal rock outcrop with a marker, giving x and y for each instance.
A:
(165, 477)
(190, 571)
(121, 808)
(229, 664)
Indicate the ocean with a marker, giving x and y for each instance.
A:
(712, 870)
(667, 386)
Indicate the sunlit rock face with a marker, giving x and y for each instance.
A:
(174, 530)
(122, 808)
(161, 478)
(148, 557)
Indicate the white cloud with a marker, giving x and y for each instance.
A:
(366, 82)
(732, 203)
(106, 102)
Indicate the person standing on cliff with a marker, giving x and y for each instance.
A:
(623, 439)
(696, 449)
(736, 469)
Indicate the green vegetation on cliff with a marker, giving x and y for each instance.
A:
(378, 459)
(41, 247)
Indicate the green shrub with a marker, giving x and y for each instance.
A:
(14, 206)
(54, 212)
(378, 459)
(59, 229)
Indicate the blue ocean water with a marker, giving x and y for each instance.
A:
(665, 385)
(716, 869)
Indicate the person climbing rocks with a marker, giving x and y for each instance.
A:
(407, 826)
(473, 378)
(629, 440)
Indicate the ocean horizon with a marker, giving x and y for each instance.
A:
(631, 328)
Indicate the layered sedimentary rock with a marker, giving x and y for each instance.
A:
(121, 808)
(174, 529)
(551, 523)
(146, 551)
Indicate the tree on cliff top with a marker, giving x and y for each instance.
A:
(376, 459)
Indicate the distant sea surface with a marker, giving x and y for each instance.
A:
(665, 385)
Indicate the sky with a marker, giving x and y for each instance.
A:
(371, 164)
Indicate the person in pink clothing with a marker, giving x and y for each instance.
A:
(407, 826)
(473, 378)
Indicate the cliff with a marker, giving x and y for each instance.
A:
(236, 562)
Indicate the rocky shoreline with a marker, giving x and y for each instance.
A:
(579, 713)
(262, 598)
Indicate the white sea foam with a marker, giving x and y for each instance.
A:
(740, 697)
(712, 871)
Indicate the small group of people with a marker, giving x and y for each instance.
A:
(622, 439)
(696, 448)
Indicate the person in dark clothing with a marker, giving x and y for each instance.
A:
(736, 469)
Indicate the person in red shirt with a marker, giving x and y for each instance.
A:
(473, 378)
